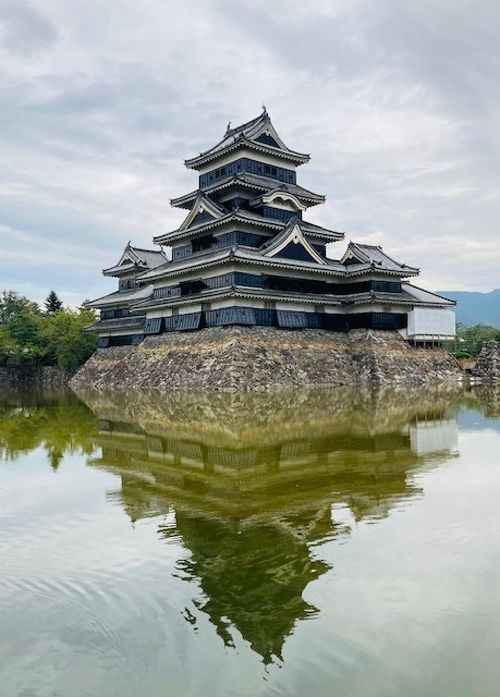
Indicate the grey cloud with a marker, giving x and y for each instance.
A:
(397, 104)
(23, 29)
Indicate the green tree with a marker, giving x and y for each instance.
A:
(52, 302)
(23, 327)
(8, 346)
(470, 340)
(56, 337)
(12, 303)
(66, 343)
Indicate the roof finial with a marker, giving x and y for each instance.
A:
(228, 126)
(264, 110)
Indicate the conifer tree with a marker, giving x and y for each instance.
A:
(52, 302)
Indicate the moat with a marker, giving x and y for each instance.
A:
(318, 542)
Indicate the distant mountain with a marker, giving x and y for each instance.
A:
(476, 308)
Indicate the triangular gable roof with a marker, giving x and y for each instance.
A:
(375, 256)
(258, 132)
(263, 127)
(203, 204)
(291, 234)
(136, 258)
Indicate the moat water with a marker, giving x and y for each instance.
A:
(308, 544)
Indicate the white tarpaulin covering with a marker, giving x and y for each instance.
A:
(427, 322)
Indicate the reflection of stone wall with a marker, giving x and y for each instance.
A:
(260, 358)
(488, 363)
(39, 377)
(240, 419)
(487, 396)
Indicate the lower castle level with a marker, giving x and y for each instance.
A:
(239, 358)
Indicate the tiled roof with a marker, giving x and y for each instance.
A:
(150, 257)
(117, 323)
(264, 184)
(238, 252)
(239, 291)
(247, 134)
(241, 215)
(425, 296)
(376, 258)
(120, 297)
(256, 256)
(136, 257)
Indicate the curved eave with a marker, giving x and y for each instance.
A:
(446, 302)
(297, 158)
(220, 222)
(121, 323)
(240, 254)
(363, 269)
(258, 221)
(393, 299)
(237, 292)
(119, 298)
(187, 200)
(247, 255)
(266, 294)
(117, 271)
(323, 235)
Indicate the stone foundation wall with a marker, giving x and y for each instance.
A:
(488, 364)
(261, 358)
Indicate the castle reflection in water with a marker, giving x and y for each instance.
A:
(252, 484)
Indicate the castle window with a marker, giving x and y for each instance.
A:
(153, 326)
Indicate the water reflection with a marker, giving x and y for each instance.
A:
(58, 422)
(252, 485)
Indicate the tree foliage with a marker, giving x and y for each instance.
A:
(57, 337)
(11, 303)
(470, 340)
(52, 302)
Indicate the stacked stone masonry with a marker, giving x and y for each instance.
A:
(262, 358)
(488, 364)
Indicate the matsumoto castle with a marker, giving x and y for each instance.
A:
(246, 255)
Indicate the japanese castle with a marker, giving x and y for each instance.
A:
(245, 255)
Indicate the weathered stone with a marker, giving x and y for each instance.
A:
(488, 364)
(263, 358)
(42, 377)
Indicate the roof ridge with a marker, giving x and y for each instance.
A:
(370, 246)
(145, 249)
(246, 124)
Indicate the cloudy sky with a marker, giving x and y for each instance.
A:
(398, 102)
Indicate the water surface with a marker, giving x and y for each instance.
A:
(311, 543)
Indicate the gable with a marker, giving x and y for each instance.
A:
(201, 217)
(292, 244)
(353, 255)
(351, 259)
(296, 251)
(266, 139)
(203, 211)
